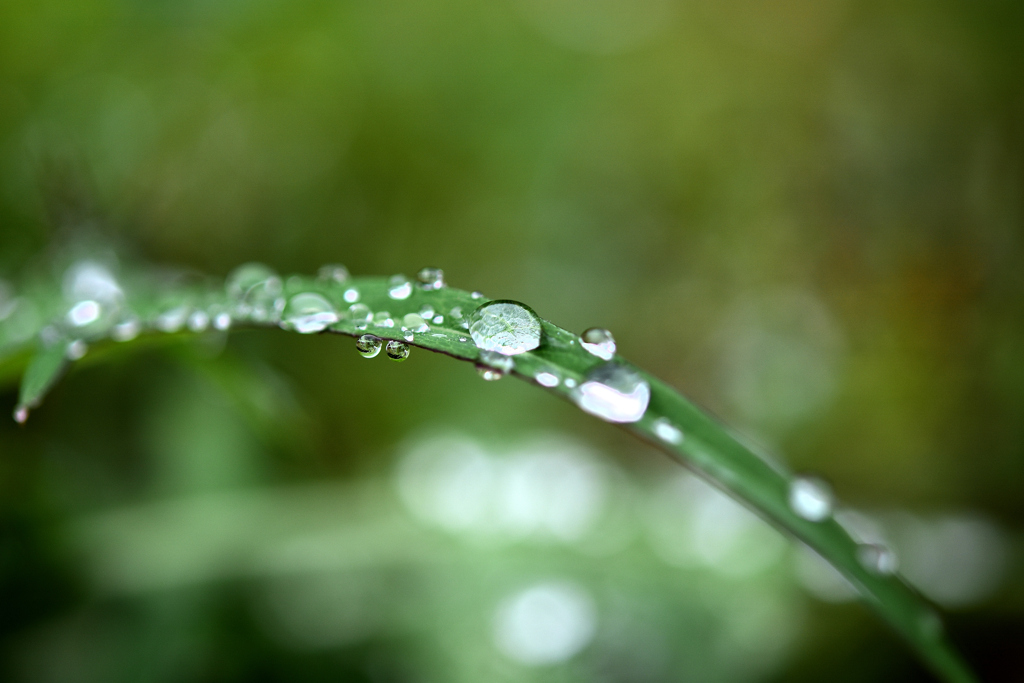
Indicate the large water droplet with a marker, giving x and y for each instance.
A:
(508, 327)
(369, 346)
(308, 312)
(360, 315)
(668, 432)
(333, 272)
(598, 342)
(431, 278)
(877, 558)
(614, 393)
(84, 313)
(415, 322)
(399, 287)
(257, 291)
(811, 499)
(397, 351)
(90, 280)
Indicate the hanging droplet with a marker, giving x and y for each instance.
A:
(668, 432)
(598, 342)
(308, 312)
(21, 414)
(415, 322)
(76, 350)
(489, 374)
(498, 361)
(172, 320)
(811, 499)
(614, 393)
(407, 335)
(360, 315)
(84, 313)
(877, 558)
(126, 330)
(351, 295)
(333, 272)
(547, 378)
(198, 321)
(368, 346)
(383, 319)
(397, 351)
(399, 287)
(508, 327)
(431, 278)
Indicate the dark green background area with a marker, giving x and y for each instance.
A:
(807, 216)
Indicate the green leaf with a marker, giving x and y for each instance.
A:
(43, 371)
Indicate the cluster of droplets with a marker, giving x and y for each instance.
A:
(370, 346)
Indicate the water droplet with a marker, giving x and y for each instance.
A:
(397, 351)
(668, 432)
(308, 312)
(76, 350)
(415, 322)
(351, 295)
(333, 272)
(489, 374)
(361, 315)
(126, 330)
(498, 361)
(570, 382)
(368, 346)
(399, 287)
(245, 277)
(173, 319)
(431, 278)
(383, 319)
(456, 312)
(811, 499)
(222, 321)
(614, 393)
(599, 342)
(21, 415)
(438, 320)
(476, 295)
(547, 378)
(198, 321)
(408, 336)
(427, 311)
(84, 313)
(463, 339)
(90, 280)
(507, 327)
(877, 558)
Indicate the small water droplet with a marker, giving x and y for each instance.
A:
(456, 312)
(438, 320)
(246, 277)
(397, 351)
(408, 336)
(21, 415)
(463, 339)
(614, 393)
(415, 322)
(498, 361)
(172, 320)
(307, 313)
(222, 321)
(569, 382)
(361, 315)
(668, 432)
(333, 272)
(489, 374)
(369, 346)
(351, 295)
(811, 499)
(431, 278)
(383, 319)
(399, 287)
(546, 378)
(598, 342)
(508, 327)
(427, 311)
(84, 313)
(476, 295)
(126, 330)
(76, 350)
(198, 321)
(877, 558)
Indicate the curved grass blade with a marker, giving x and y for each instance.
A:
(435, 317)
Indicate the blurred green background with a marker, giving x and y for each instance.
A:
(805, 215)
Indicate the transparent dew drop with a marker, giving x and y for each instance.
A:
(810, 498)
(126, 330)
(463, 339)
(351, 295)
(198, 321)
(21, 415)
(613, 393)
(172, 320)
(84, 313)
(245, 277)
(399, 287)
(455, 313)
(383, 319)
(668, 432)
(427, 311)
(476, 295)
(507, 327)
(222, 321)
(498, 361)
(408, 336)
(598, 342)
(307, 313)
(570, 383)
(877, 558)
(431, 278)
(547, 378)
(333, 272)
(368, 346)
(360, 315)
(76, 350)
(489, 374)
(438, 320)
(415, 322)
(397, 351)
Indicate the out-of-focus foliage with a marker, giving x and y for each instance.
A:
(820, 203)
